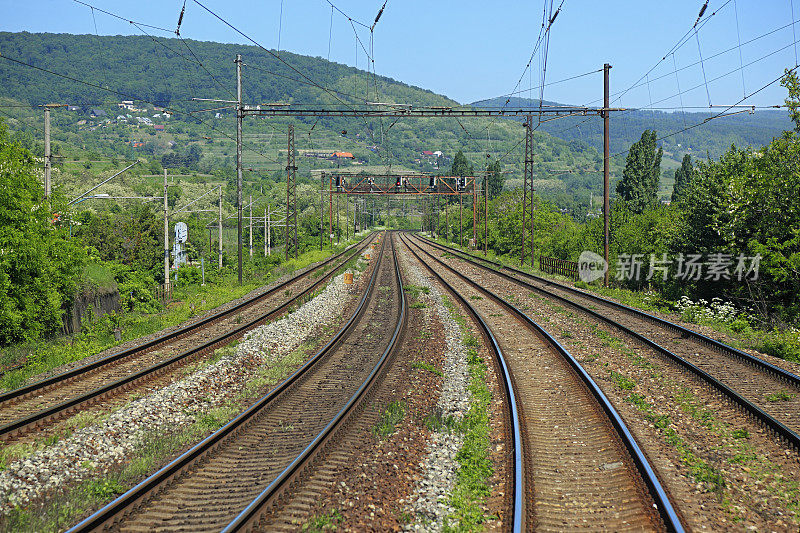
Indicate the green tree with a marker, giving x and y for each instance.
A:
(639, 185)
(461, 167)
(39, 265)
(494, 175)
(683, 178)
(792, 84)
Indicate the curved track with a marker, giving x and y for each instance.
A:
(742, 378)
(583, 467)
(54, 398)
(265, 448)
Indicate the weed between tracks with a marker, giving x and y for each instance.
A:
(423, 365)
(475, 464)
(391, 416)
(325, 522)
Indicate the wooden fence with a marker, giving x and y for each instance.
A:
(551, 265)
(163, 293)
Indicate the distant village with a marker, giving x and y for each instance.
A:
(131, 114)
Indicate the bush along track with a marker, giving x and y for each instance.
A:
(171, 417)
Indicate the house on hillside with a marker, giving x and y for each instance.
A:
(342, 155)
(94, 113)
(73, 108)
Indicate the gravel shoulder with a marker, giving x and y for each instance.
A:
(212, 390)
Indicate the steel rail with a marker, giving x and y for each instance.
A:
(110, 513)
(518, 508)
(71, 404)
(787, 435)
(778, 372)
(165, 337)
(252, 513)
(661, 501)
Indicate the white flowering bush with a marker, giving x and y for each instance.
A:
(715, 312)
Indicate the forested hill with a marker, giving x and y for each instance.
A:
(165, 72)
(714, 137)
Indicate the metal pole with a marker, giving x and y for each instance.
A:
(265, 231)
(220, 227)
(47, 157)
(291, 194)
(269, 230)
(606, 168)
(330, 207)
(346, 217)
(446, 220)
(321, 209)
(461, 219)
(474, 196)
(166, 236)
(251, 226)
(528, 178)
(239, 118)
(530, 134)
(337, 219)
(485, 216)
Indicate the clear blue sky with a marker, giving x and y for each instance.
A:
(469, 50)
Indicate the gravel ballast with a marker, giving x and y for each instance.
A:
(428, 502)
(94, 450)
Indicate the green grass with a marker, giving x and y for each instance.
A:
(780, 396)
(98, 275)
(436, 421)
(151, 451)
(191, 300)
(423, 365)
(781, 343)
(391, 416)
(711, 478)
(325, 522)
(475, 465)
(622, 381)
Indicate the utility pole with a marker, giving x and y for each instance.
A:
(337, 219)
(330, 209)
(528, 178)
(47, 158)
(166, 236)
(346, 217)
(606, 167)
(265, 232)
(251, 226)
(291, 195)
(269, 230)
(474, 197)
(220, 227)
(239, 118)
(486, 215)
(461, 219)
(321, 209)
(446, 221)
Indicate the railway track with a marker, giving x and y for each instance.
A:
(583, 467)
(55, 398)
(744, 379)
(233, 476)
